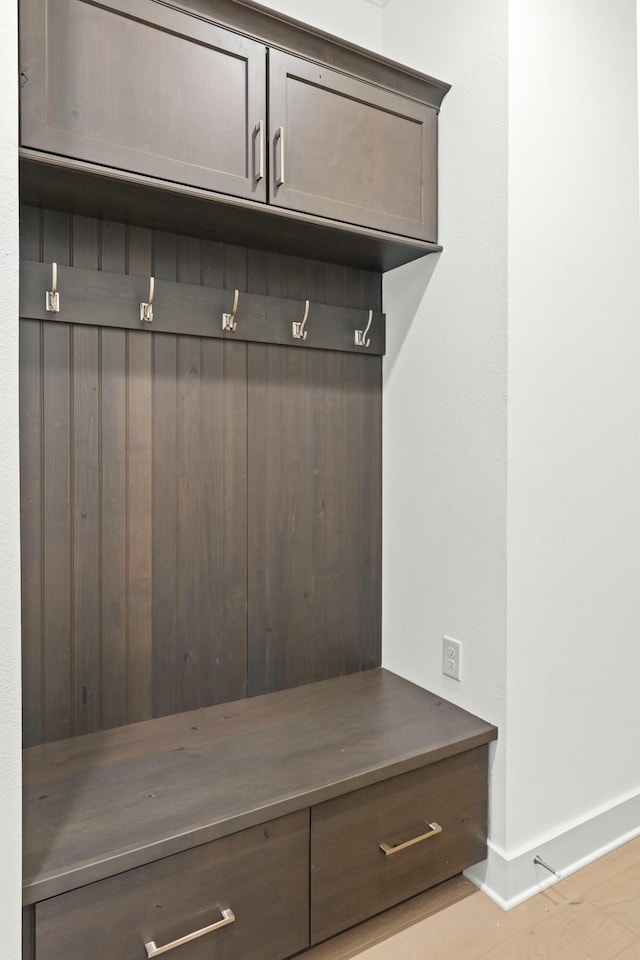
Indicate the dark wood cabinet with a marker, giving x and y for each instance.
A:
(201, 520)
(375, 847)
(349, 150)
(138, 86)
(273, 807)
(163, 109)
(225, 887)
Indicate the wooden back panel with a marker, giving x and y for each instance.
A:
(162, 477)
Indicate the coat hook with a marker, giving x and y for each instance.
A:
(360, 336)
(52, 299)
(229, 319)
(298, 330)
(538, 860)
(146, 309)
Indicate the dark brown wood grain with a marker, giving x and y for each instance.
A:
(348, 150)
(314, 516)
(57, 528)
(29, 933)
(127, 796)
(61, 183)
(261, 874)
(139, 517)
(84, 94)
(31, 531)
(96, 298)
(352, 879)
(114, 569)
(118, 663)
(86, 526)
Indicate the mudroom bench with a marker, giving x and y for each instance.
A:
(264, 825)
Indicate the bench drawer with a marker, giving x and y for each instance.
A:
(260, 877)
(353, 877)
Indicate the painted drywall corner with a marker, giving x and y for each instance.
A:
(10, 712)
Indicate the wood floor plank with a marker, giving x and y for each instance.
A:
(574, 931)
(619, 898)
(632, 952)
(577, 885)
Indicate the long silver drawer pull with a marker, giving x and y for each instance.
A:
(259, 131)
(388, 850)
(280, 172)
(153, 950)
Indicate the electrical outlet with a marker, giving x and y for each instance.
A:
(451, 658)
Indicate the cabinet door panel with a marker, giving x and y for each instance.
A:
(135, 85)
(345, 149)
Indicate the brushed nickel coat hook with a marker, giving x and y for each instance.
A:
(297, 327)
(360, 336)
(229, 319)
(52, 299)
(146, 309)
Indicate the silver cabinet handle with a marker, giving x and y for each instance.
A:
(388, 850)
(279, 137)
(153, 950)
(259, 165)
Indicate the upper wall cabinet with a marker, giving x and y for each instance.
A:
(136, 85)
(346, 149)
(156, 114)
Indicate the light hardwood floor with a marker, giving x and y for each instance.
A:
(592, 915)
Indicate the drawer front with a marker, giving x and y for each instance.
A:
(260, 874)
(353, 878)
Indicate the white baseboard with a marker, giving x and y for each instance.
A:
(512, 879)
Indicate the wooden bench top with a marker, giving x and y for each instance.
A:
(99, 804)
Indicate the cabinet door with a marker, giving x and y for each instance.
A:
(351, 151)
(136, 85)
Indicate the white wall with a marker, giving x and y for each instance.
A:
(445, 380)
(574, 415)
(359, 21)
(521, 536)
(10, 730)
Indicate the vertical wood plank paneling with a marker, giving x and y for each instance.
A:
(141, 470)
(31, 528)
(113, 527)
(147, 436)
(86, 620)
(224, 461)
(235, 262)
(139, 251)
(314, 563)
(85, 246)
(194, 632)
(165, 255)
(189, 267)
(212, 263)
(113, 247)
(30, 233)
(56, 237)
(29, 933)
(57, 532)
(166, 657)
